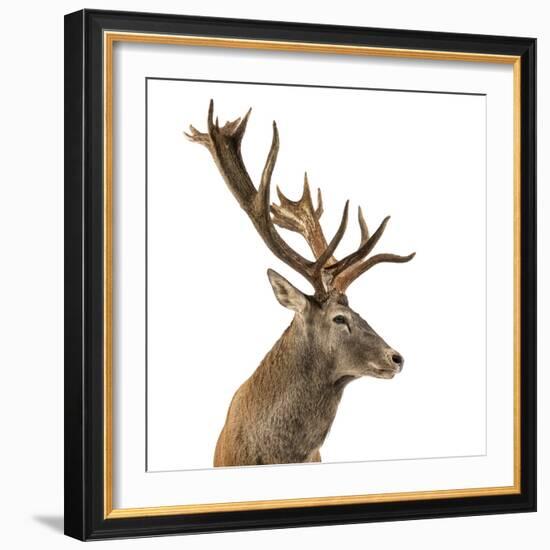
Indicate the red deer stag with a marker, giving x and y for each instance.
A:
(283, 412)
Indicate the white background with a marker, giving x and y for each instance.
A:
(31, 295)
(442, 438)
(209, 326)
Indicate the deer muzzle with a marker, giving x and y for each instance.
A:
(397, 360)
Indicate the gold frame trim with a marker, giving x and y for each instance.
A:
(109, 38)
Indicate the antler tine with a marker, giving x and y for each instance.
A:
(330, 249)
(363, 226)
(301, 216)
(306, 193)
(262, 197)
(319, 210)
(197, 137)
(342, 283)
(352, 266)
(361, 252)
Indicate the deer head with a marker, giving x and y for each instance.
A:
(337, 338)
(337, 335)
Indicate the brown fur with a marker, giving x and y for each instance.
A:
(284, 411)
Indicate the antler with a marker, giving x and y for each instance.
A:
(300, 216)
(325, 273)
(224, 144)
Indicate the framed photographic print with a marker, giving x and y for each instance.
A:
(250, 341)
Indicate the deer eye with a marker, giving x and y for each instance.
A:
(340, 320)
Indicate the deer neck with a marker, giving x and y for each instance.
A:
(293, 388)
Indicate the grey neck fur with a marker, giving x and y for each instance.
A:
(298, 398)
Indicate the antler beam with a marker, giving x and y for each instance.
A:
(224, 144)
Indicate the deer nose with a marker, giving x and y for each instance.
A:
(398, 360)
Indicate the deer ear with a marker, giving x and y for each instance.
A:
(287, 295)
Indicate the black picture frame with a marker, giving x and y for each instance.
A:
(84, 281)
